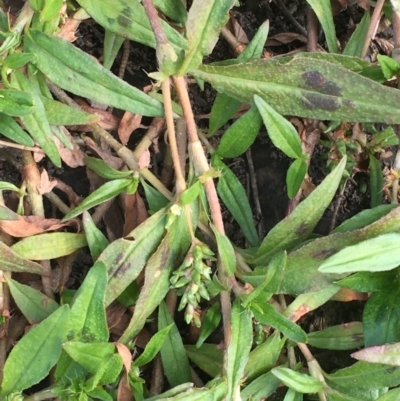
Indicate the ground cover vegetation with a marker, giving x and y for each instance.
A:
(157, 281)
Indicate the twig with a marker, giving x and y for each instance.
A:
(289, 16)
(312, 30)
(337, 207)
(22, 147)
(256, 198)
(125, 57)
(373, 26)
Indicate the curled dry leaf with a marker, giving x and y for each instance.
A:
(124, 391)
(125, 354)
(46, 185)
(135, 212)
(25, 226)
(71, 157)
(285, 38)
(144, 159)
(113, 161)
(129, 123)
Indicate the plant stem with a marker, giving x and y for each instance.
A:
(32, 178)
(376, 16)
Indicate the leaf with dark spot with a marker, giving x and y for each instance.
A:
(306, 87)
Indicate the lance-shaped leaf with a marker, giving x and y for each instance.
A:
(306, 87)
(261, 388)
(239, 347)
(158, 270)
(34, 305)
(376, 254)
(36, 122)
(16, 103)
(75, 71)
(301, 274)
(11, 261)
(129, 20)
(173, 9)
(388, 354)
(323, 10)
(297, 381)
(205, 21)
(126, 257)
(173, 354)
(35, 354)
(299, 224)
(42, 246)
(88, 316)
(342, 337)
(10, 129)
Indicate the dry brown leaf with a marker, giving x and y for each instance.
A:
(125, 354)
(129, 123)
(144, 159)
(113, 161)
(71, 157)
(285, 38)
(135, 212)
(124, 392)
(46, 185)
(26, 226)
(237, 30)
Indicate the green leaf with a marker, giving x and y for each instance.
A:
(10, 129)
(292, 395)
(365, 376)
(129, 20)
(41, 247)
(85, 77)
(126, 257)
(376, 181)
(309, 302)
(101, 168)
(261, 388)
(190, 194)
(342, 337)
(36, 123)
(107, 191)
(263, 358)
(270, 282)
(89, 355)
(281, 131)
(58, 113)
(355, 44)
(88, 315)
(295, 176)
(35, 354)
(158, 270)
(241, 134)
(388, 354)
(210, 322)
(391, 395)
(96, 240)
(16, 103)
(297, 381)
(34, 305)
(173, 354)
(369, 281)
(173, 9)
(235, 199)
(323, 10)
(153, 346)
(6, 213)
(239, 347)
(207, 357)
(226, 252)
(376, 254)
(381, 317)
(155, 199)
(364, 218)
(112, 44)
(306, 87)
(301, 274)
(13, 262)
(389, 66)
(204, 23)
(267, 314)
(223, 109)
(380, 140)
(296, 227)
